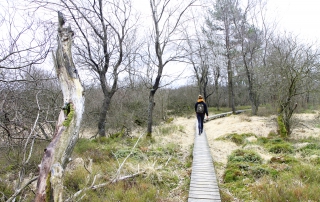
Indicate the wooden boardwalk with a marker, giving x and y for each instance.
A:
(203, 184)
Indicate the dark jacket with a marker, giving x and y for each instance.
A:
(205, 107)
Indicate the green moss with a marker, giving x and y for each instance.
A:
(149, 136)
(48, 188)
(232, 175)
(69, 112)
(169, 120)
(282, 128)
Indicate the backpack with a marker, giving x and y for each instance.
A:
(200, 108)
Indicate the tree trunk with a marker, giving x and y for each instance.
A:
(102, 116)
(216, 85)
(230, 86)
(105, 105)
(150, 113)
(58, 152)
(229, 69)
(253, 95)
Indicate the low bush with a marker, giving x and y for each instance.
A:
(245, 156)
(281, 148)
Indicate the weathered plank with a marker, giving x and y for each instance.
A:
(203, 184)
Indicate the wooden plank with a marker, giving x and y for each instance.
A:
(203, 183)
(205, 196)
(201, 200)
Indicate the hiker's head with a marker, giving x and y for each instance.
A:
(200, 97)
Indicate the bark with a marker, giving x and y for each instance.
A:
(229, 67)
(150, 113)
(230, 85)
(107, 96)
(216, 75)
(58, 152)
(253, 95)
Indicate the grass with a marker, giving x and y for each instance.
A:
(283, 178)
(213, 110)
(166, 168)
(292, 173)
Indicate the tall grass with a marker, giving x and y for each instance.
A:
(165, 166)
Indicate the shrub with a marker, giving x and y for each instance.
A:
(245, 156)
(5, 189)
(236, 138)
(75, 180)
(281, 148)
(282, 159)
(232, 175)
(263, 140)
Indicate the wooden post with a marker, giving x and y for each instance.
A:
(57, 154)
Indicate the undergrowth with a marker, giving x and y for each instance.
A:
(291, 174)
(158, 171)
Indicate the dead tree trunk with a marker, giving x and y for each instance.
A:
(58, 152)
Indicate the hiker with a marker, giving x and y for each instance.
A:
(201, 110)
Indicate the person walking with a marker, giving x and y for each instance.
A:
(201, 110)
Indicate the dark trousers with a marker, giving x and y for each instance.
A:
(200, 118)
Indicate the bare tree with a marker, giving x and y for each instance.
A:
(58, 152)
(224, 12)
(24, 40)
(292, 64)
(107, 35)
(250, 41)
(215, 51)
(197, 55)
(167, 20)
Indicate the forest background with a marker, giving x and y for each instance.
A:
(139, 70)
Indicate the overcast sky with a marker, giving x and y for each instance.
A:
(302, 17)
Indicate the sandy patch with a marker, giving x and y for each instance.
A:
(260, 126)
(186, 139)
(220, 150)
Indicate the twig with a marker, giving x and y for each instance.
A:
(18, 191)
(168, 161)
(115, 179)
(25, 158)
(120, 167)
(84, 164)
